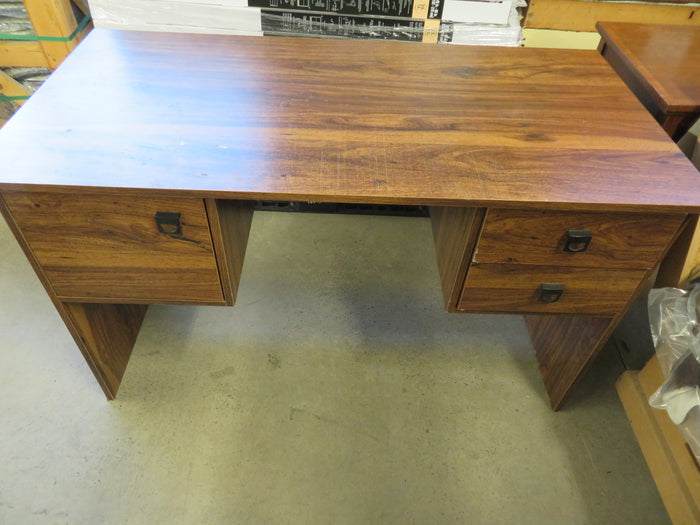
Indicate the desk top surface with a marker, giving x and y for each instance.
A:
(344, 121)
(666, 58)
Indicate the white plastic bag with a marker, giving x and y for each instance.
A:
(673, 318)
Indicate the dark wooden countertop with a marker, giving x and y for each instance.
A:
(344, 121)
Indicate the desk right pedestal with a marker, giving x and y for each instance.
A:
(573, 274)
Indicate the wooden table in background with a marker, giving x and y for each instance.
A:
(661, 65)
(127, 177)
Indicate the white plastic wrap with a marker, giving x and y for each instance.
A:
(673, 317)
(225, 17)
(14, 19)
(510, 34)
(232, 17)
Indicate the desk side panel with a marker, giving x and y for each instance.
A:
(565, 346)
(104, 333)
(455, 233)
(107, 333)
(230, 222)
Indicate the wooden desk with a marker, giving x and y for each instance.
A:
(661, 65)
(522, 154)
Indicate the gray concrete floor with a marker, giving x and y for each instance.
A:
(336, 391)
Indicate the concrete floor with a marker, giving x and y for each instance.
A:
(336, 391)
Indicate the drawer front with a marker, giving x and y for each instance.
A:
(514, 288)
(618, 240)
(102, 248)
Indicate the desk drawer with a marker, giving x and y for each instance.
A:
(618, 240)
(515, 288)
(99, 248)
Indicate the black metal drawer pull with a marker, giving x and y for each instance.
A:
(168, 222)
(577, 241)
(549, 292)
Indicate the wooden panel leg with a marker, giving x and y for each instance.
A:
(565, 347)
(105, 334)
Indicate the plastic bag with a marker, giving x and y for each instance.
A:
(673, 318)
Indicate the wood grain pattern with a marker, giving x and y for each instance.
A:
(637, 85)
(230, 224)
(582, 15)
(661, 65)
(53, 18)
(322, 120)
(619, 240)
(22, 54)
(106, 334)
(665, 58)
(100, 249)
(455, 232)
(682, 262)
(565, 347)
(554, 337)
(344, 121)
(512, 288)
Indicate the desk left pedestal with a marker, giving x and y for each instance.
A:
(104, 257)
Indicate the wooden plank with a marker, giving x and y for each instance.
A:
(53, 18)
(366, 135)
(455, 232)
(670, 461)
(553, 38)
(582, 15)
(22, 54)
(11, 88)
(230, 226)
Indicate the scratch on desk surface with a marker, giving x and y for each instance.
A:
(477, 175)
(386, 164)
